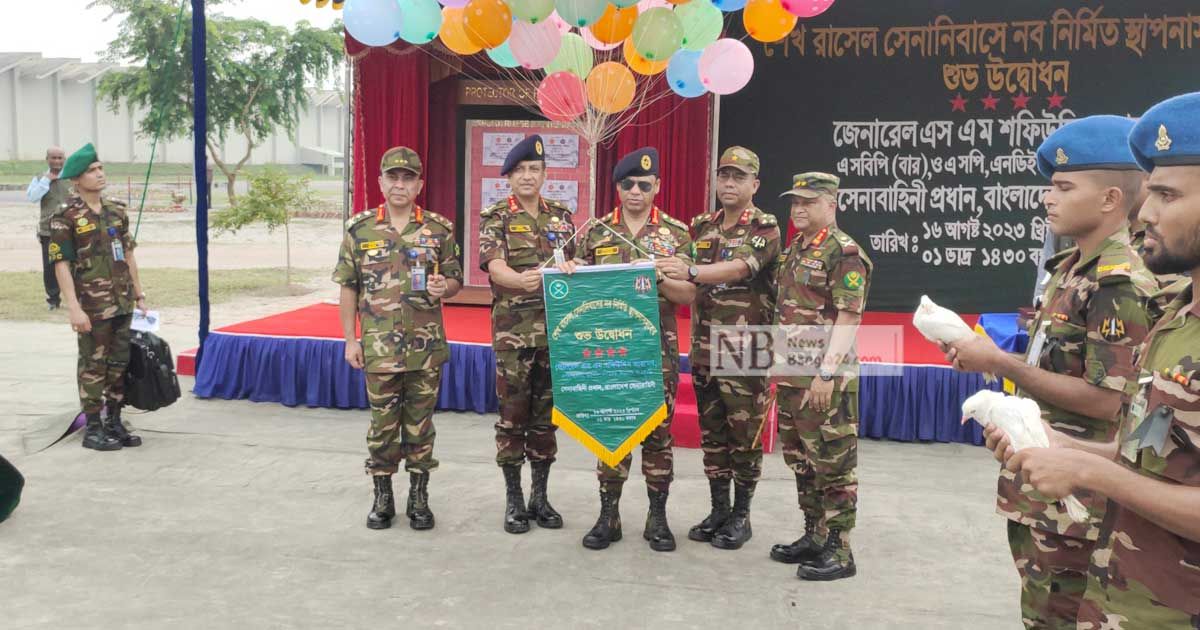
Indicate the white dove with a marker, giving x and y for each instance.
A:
(942, 325)
(1021, 420)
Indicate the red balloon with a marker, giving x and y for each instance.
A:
(562, 96)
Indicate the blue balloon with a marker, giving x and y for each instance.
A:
(729, 6)
(683, 74)
(422, 19)
(502, 56)
(373, 22)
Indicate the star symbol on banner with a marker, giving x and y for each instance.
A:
(989, 102)
(599, 352)
(587, 354)
(611, 353)
(1056, 100)
(1021, 101)
(622, 351)
(958, 103)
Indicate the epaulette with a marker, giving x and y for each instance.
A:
(670, 220)
(440, 220)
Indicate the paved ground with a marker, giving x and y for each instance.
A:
(244, 515)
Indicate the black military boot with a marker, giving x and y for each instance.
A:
(116, 428)
(719, 489)
(419, 515)
(539, 504)
(385, 505)
(516, 519)
(835, 561)
(736, 530)
(607, 529)
(96, 437)
(806, 548)
(657, 531)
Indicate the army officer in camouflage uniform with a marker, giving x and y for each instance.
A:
(736, 250)
(823, 282)
(517, 237)
(92, 251)
(1093, 315)
(638, 230)
(396, 265)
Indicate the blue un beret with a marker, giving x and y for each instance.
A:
(643, 161)
(530, 149)
(1095, 143)
(1168, 133)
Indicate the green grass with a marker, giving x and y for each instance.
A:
(20, 171)
(23, 298)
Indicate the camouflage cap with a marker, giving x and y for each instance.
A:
(741, 158)
(813, 184)
(400, 157)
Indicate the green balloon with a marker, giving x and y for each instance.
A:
(421, 20)
(502, 56)
(575, 56)
(702, 23)
(580, 13)
(657, 34)
(532, 11)
(624, 4)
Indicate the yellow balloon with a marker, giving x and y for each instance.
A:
(610, 87)
(487, 22)
(615, 25)
(640, 64)
(453, 35)
(767, 21)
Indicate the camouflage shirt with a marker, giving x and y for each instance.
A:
(817, 279)
(524, 242)
(1142, 566)
(401, 326)
(96, 245)
(662, 235)
(1094, 314)
(753, 240)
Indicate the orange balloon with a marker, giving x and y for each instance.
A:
(610, 87)
(453, 34)
(640, 64)
(615, 25)
(487, 22)
(767, 21)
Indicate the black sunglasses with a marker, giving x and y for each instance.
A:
(627, 184)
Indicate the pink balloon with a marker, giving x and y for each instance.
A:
(560, 23)
(726, 66)
(806, 8)
(595, 43)
(562, 97)
(534, 45)
(453, 4)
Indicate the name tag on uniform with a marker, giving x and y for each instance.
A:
(372, 245)
(703, 244)
(1035, 348)
(811, 263)
(520, 228)
(608, 251)
(84, 229)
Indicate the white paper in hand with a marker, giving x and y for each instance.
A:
(145, 321)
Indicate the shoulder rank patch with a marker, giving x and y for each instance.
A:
(853, 280)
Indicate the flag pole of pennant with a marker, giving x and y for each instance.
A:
(605, 355)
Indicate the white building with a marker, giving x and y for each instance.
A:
(53, 101)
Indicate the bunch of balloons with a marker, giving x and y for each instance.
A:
(565, 38)
(336, 5)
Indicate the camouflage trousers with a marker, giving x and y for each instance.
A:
(732, 412)
(524, 430)
(402, 420)
(658, 462)
(821, 448)
(1053, 571)
(103, 357)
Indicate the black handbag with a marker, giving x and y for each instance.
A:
(150, 381)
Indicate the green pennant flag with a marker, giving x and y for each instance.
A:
(605, 356)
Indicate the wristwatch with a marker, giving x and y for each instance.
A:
(693, 273)
(825, 375)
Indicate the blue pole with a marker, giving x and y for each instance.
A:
(199, 133)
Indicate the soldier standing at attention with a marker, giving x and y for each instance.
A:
(50, 190)
(658, 237)
(823, 284)
(517, 236)
(736, 250)
(395, 267)
(92, 252)
(1093, 315)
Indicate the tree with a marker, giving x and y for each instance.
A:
(258, 74)
(273, 199)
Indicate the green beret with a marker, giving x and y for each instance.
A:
(79, 162)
